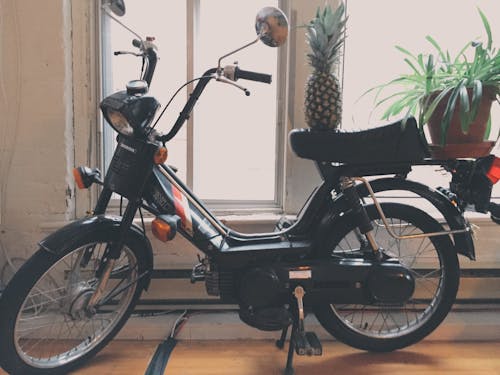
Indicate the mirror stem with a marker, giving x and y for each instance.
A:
(233, 52)
(121, 23)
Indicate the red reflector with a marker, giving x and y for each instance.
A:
(494, 172)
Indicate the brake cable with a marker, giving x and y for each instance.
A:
(172, 98)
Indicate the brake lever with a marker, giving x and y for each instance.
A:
(229, 82)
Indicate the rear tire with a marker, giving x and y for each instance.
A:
(44, 326)
(433, 263)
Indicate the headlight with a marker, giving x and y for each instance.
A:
(119, 122)
(129, 114)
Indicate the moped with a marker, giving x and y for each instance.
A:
(378, 276)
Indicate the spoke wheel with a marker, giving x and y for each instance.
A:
(432, 262)
(48, 328)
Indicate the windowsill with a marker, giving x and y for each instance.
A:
(256, 219)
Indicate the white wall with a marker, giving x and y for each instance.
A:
(34, 124)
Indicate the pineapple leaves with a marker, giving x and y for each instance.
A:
(328, 19)
(325, 36)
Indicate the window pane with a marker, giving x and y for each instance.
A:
(235, 135)
(166, 21)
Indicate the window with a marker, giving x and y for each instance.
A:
(375, 27)
(228, 152)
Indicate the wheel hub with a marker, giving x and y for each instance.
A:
(78, 309)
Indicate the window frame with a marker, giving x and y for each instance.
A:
(218, 206)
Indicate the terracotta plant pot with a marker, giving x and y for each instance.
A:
(460, 144)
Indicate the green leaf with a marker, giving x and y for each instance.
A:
(448, 113)
(406, 52)
(464, 109)
(461, 53)
(420, 59)
(401, 93)
(429, 73)
(437, 47)
(486, 27)
(412, 66)
(432, 107)
(488, 130)
(477, 94)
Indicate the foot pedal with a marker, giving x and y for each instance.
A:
(307, 343)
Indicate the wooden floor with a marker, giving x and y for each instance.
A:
(261, 357)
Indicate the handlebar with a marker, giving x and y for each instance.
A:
(188, 107)
(152, 59)
(148, 53)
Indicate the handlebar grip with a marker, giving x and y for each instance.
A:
(137, 43)
(252, 76)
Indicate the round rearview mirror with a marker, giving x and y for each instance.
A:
(271, 26)
(116, 6)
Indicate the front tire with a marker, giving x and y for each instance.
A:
(44, 326)
(431, 260)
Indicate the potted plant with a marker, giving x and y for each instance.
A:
(453, 96)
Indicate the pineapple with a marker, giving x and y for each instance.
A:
(323, 100)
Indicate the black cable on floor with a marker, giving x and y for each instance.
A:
(164, 350)
(160, 358)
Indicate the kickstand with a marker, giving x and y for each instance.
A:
(301, 342)
(297, 327)
(280, 344)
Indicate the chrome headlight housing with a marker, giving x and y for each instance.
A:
(129, 114)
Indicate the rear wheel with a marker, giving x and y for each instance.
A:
(44, 324)
(432, 262)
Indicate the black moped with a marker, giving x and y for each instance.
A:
(378, 276)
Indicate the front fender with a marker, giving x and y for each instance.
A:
(68, 235)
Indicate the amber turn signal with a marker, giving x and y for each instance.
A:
(85, 177)
(161, 155)
(78, 178)
(164, 227)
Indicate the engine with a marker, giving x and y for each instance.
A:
(264, 292)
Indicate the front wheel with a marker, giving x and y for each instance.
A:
(45, 327)
(431, 260)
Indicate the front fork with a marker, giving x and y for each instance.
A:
(365, 226)
(114, 249)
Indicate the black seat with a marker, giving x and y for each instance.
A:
(390, 143)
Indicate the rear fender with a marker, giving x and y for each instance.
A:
(67, 236)
(464, 243)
